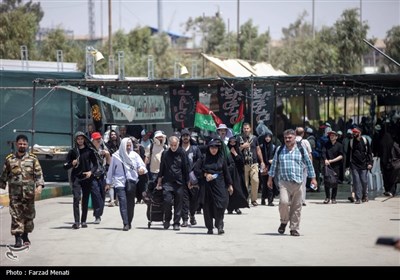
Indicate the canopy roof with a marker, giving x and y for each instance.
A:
(242, 68)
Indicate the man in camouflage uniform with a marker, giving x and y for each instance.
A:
(23, 173)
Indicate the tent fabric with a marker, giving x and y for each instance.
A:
(127, 110)
(242, 68)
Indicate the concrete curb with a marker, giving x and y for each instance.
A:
(49, 191)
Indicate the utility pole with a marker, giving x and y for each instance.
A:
(111, 67)
(91, 20)
(238, 30)
(313, 19)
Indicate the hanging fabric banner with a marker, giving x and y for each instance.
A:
(183, 105)
(263, 105)
(229, 100)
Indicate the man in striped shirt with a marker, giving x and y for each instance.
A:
(287, 165)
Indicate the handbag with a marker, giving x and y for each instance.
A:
(130, 185)
(330, 175)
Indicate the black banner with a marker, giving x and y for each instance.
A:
(229, 100)
(263, 105)
(183, 106)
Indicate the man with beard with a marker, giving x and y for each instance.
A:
(24, 175)
(83, 161)
(172, 178)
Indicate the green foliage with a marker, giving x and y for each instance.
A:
(335, 49)
(252, 46)
(212, 30)
(18, 27)
(392, 42)
(349, 41)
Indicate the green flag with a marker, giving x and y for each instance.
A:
(204, 118)
(237, 127)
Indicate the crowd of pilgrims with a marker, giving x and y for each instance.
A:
(215, 174)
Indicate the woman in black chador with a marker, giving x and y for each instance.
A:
(236, 165)
(217, 183)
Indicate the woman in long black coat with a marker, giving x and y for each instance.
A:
(217, 183)
(236, 169)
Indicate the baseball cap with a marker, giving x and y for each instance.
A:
(356, 131)
(96, 135)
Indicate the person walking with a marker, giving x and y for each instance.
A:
(23, 173)
(288, 165)
(172, 178)
(125, 168)
(359, 160)
(252, 155)
(217, 183)
(98, 188)
(83, 161)
(332, 154)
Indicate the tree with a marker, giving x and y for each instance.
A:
(252, 46)
(19, 24)
(392, 42)
(349, 41)
(57, 40)
(212, 30)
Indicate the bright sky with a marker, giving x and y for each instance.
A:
(381, 15)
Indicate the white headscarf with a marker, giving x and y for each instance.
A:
(123, 155)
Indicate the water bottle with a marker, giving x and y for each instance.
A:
(215, 176)
(314, 187)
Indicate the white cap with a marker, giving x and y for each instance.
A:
(309, 130)
(143, 133)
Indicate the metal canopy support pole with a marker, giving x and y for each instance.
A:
(251, 101)
(345, 110)
(72, 118)
(33, 114)
(275, 112)
(304, 106)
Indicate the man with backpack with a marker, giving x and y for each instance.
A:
(288, 165)
(359, 160)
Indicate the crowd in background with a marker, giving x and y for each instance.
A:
(223, 171)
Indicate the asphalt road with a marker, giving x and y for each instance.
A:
(331, 235)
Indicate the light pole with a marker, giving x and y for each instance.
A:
(238, 31)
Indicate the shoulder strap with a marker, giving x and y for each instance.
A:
(151, 148)
(280, 148)
(301, 148)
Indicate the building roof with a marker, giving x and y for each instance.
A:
(38, 66)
